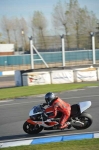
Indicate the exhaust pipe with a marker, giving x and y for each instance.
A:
(77, 123)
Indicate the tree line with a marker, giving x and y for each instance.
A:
(69, 19)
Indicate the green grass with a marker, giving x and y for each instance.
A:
(88, 144)
(8, 93)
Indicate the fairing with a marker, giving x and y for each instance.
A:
(84, 105)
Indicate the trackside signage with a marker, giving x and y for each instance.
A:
(36, 78)
(86, 76)
(62, 76)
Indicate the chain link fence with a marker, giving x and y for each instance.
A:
(78, 51)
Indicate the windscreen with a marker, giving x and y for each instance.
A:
(36, 109)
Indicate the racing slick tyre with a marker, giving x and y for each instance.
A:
(31, 129)
(86, 119)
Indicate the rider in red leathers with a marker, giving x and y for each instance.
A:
(58, 104)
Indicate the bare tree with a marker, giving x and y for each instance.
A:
(0, 38)
(40, 24)
(60, 18)
(23, 32)
(89, 21)
(14, 30)
(6, 27)
(74, 19)
(32, 30)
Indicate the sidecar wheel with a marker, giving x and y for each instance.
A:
(32, 129)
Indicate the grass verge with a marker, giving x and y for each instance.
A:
(9, 93)
(88, 144)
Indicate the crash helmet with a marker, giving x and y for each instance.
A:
(50, 97)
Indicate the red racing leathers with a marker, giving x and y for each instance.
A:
(61, 106)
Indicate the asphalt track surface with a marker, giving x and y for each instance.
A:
(13, 113)
(7, 81)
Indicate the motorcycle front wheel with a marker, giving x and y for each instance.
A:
(31, 129)
(86, 119)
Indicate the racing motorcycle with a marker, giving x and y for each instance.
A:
(38, 120)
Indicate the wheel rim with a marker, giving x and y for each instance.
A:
(85, 120)
(30, 128)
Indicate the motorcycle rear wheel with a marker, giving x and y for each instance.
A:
(31, 129)
(86, 119)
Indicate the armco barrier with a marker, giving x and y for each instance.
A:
(5, 73)
(50, 139)
(0, 73)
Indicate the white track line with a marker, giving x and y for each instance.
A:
(5, 101)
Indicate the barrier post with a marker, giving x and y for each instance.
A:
(31, 50)
(63, 50)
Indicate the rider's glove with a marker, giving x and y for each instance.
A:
(44, 104)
